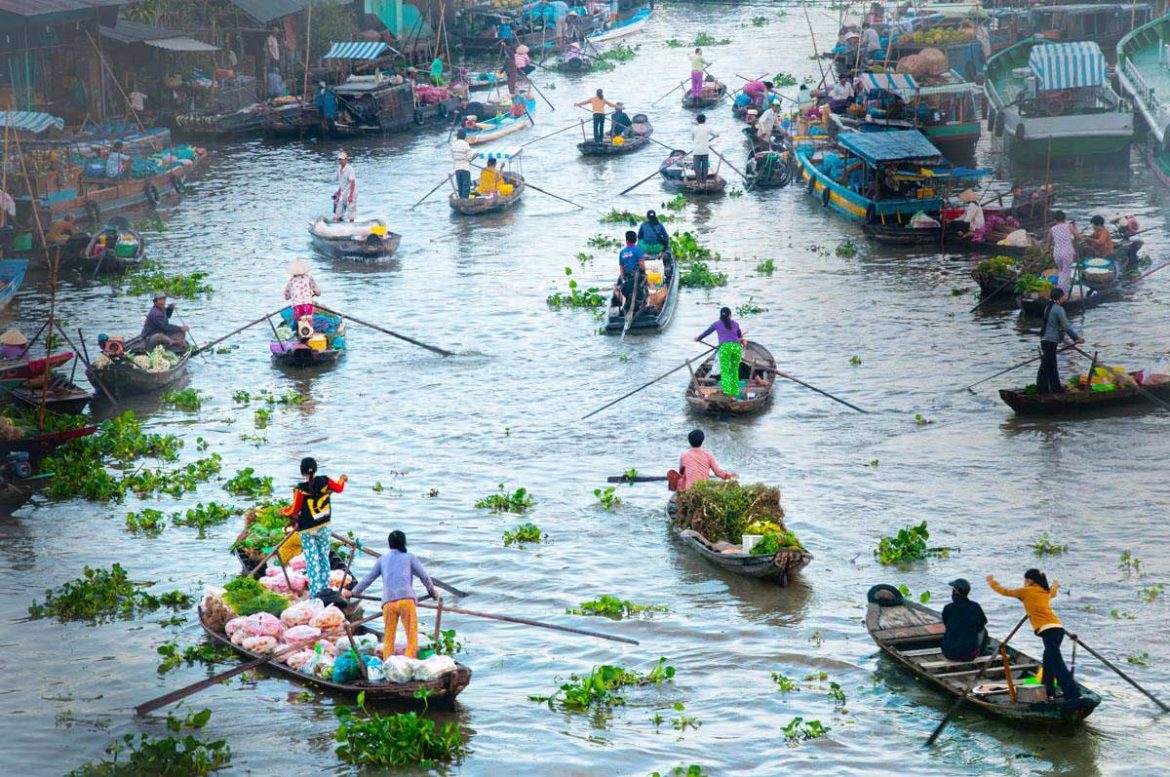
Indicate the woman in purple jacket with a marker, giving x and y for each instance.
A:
(731, 344)
(397, 568)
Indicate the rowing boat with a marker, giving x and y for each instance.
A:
(769, 169)
(322, 343)
(911, 634)
(778, 567)
(122, 377)
(757, 376)
(712, 94)
(38, 445)
(678, 174)
(1078, 400)
(442, 690)
(63, 395)
(621, 29)
(115, 249)
(656, 306)
(502, 125)
(639, 137)
(507, 194)
(368, 239)
(11, 277)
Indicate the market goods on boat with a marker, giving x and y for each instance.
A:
(639, 137)
(712, 94)
(911, 634)
(1107, 387)
(133, 369)
(368, 239)
(507, 192)
(757, 377)
(308, 343)
(115, 249)
(61, 395)
(656, 300)
(738, 528)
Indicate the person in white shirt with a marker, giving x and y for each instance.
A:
(701, 136)
(973, 212)
(117, 162)
(7, 208)
(767, 122)
(840, 95)
(272, 47)
(138, 101)
(345, 198)
(870, 40)
(461, 156)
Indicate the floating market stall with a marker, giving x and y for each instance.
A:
(1102, 23)
(308, 343)
(941, 107)
(126, 369)
(1144, 73)
(1103, 387)
(1054, 100)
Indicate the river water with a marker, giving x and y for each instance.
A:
(506, 409)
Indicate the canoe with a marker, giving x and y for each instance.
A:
(656, 311)
(758, 364)
(128, 250)
(295, 351)
(443, 690)
(475, 206)
(769, 169)
(123, 378)
(11, 276)
(911, 634)
(678, 172)
(622, 29)
(777, 568)
(641, 130)
(574, 65)
(711, 96)
(63, 396)
(368, 239)
(500, 126)
(1080, 400)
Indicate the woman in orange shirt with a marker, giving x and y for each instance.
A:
(1037, 597)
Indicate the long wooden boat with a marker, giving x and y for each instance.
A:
(1054, 100)
(639, 138)
(295, 119)
(298, 352)
(657, 308)
(757, 370)
(503, 125)
(1145, 80)
(778, 568)
(713, 94)
(248, 120)
(623, 28)
(123, 378)
(911, 634)
(38, 445)
(443, 690)
(1075, 400)
(368, 239)
(11, 277)
(63, 395)
(477, 206)
(20, 370)
(678, 174)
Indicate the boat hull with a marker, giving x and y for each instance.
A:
(777, 568)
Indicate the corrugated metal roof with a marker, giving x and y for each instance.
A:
(46, 7)
(876, 147)
(181, 43)
(267, 10)
(134, 32)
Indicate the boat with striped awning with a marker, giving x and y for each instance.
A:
(1054, 99)
(1143, 68)
(30, 121)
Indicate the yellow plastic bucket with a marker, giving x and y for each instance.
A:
(505, 189)
(318, 342)
(654, 278)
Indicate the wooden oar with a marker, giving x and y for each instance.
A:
(635, 479)
(432, 191)
(1120, 673)
(958, 702)
(672, 91)
(633, 303)
(552, 108)
(375, 327)
(528, 622)
(650, 383)
(549, 135)
(531, 185)
(819, 391)
(1136, 385)
(733, 167)
(1013, 367)
(182, 693)
(190, 335)
(639, 183)
(214, 343)
(439, 583)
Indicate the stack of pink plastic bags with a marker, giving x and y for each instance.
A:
(294, 580)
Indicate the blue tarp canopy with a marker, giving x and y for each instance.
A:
(356, 50)
(28, 121)
(1067, 65)
(878, 147)
(898, 83)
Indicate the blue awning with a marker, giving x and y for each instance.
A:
(28, 121)
(877, 147)
(1067, 65)
(898, 83)
(356, 50)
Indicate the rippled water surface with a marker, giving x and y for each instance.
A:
(506, 409)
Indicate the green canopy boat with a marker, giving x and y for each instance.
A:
(1143, 68)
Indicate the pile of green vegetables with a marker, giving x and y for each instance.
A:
(726, 510)
(999, 265)
(246, 596)
(263, 528)
(1028, 283)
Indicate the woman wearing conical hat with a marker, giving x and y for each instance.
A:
(301, 288)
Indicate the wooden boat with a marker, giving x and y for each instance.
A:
(574, 65)
(905, 235)
(777, 568)
(11, 277)
(17, 371)
(1076, 400)
(122, 377)
(639, 138)
(713, 93)
(368, 239)
(503, 125)
(656, 309)
(63, 396)
(294, 119)
(115, 249)
(246, 121)
(911, 634)
(678, 174)
(39, 445)
(623, 28)
(485, 81)
(1141, 70)
(291, 348)
(443, 690)
(1054, 99)
(497, 201)
(771, 169)
(757, 371)
(1103, 23)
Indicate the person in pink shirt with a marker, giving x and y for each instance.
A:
(696, 464)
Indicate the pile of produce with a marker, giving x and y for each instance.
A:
(1029, 284)
(264, 526)
(940, 36)
(157, 360)
(1103, 378)
(924, 65)
(724, 511)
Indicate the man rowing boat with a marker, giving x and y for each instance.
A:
(696, 464)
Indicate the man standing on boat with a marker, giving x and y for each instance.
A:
(158, 329)
(1053, 330)
(461, 156)
(345, 198)
(696, 464)
(766, 123)
(598, 104)
(701, 136)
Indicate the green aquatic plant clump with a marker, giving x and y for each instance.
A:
(722, 510)
(187, 399)
(180, 286)
(505, 501)
(576, 298)
(200, 517)
(524, 533)
(170, 756)
(599, 687)
(698, 275)
(909, 544)
(612, 607)
(247, 483)
(400, 739)
(101, 595)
